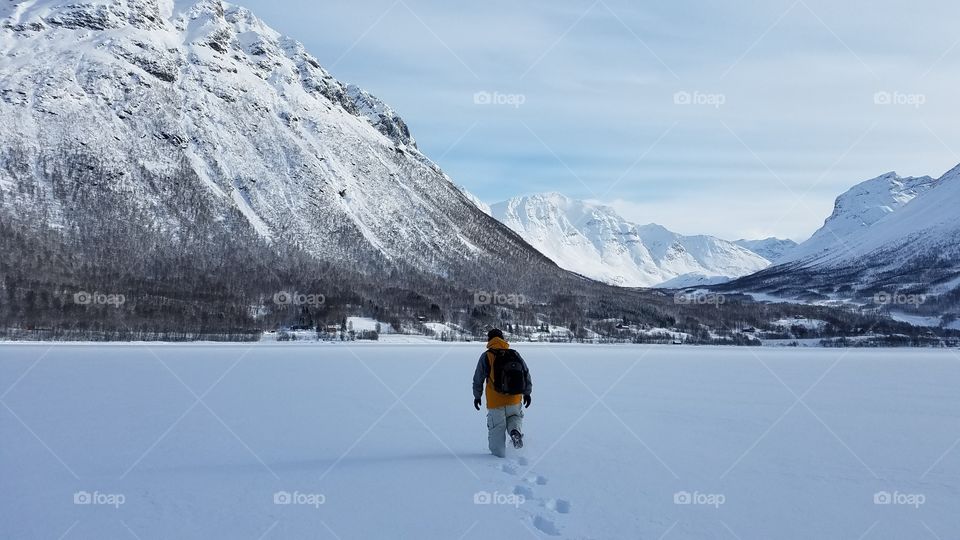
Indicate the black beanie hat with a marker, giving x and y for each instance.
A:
(495, 332)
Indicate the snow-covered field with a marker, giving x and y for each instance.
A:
(381, 441)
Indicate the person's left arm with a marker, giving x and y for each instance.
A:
(480, 375)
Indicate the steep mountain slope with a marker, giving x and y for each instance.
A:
(770, 248)
(857, 210)
(889, 241)
(187, 113)
(595, 241)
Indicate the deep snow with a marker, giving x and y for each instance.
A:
(196, 441)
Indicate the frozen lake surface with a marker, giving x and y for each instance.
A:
(381, 441)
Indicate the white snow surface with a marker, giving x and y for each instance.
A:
(595, 241)
(199, 439)
(368, 324)
(810, 324)
(916, 320)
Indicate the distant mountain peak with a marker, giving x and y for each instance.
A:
(860, 208)
(161, 37)
(770, 248)
(594, 240)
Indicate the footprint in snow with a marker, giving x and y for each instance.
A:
(542, 522)
(545, 526)
(560, 506)
(536, 479)
(526, 491)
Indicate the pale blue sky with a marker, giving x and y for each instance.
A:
(788, 114)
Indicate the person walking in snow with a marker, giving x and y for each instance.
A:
(507, 380)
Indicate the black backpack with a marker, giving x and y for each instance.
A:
(510, 375)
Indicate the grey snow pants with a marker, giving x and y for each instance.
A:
(500, 422)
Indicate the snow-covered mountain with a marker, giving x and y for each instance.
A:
(886, 236)
(190, 111)
(595, 241)
(891, 220)
(770, 248)
(856, 211)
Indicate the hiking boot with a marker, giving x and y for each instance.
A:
(517, 438)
